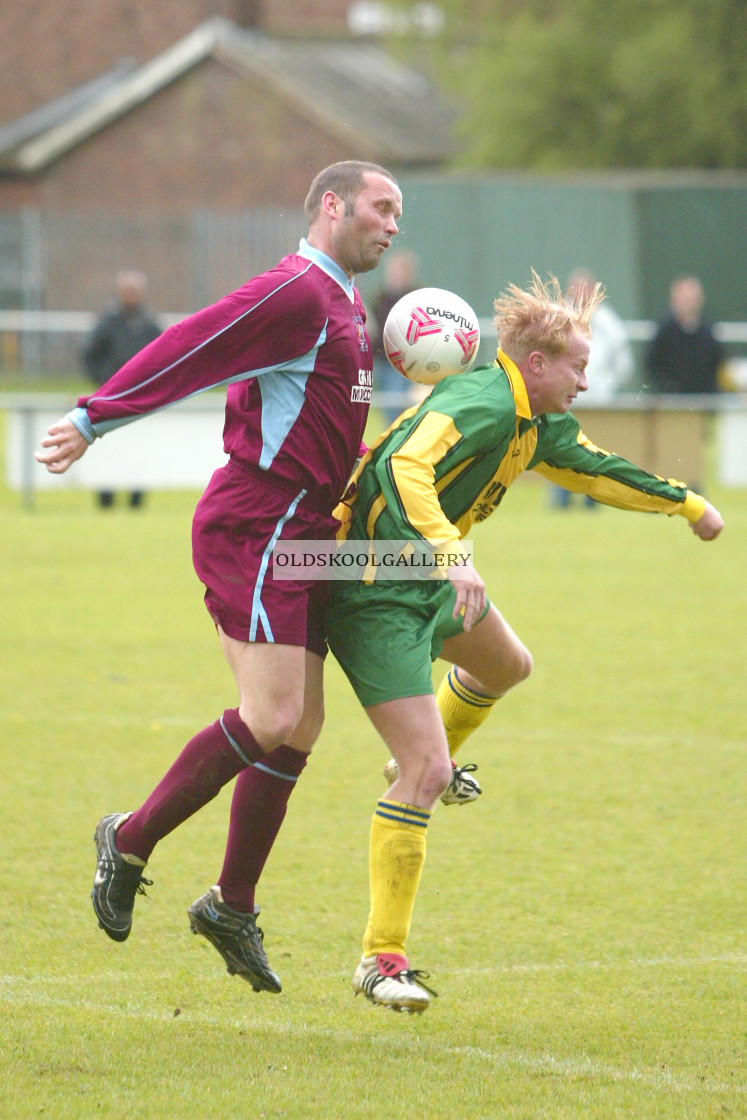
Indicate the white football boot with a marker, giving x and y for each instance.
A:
(388, 980)
(461, 789)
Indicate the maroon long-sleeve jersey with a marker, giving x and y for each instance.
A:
(292, 348)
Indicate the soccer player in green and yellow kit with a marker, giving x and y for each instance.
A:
(443, 467)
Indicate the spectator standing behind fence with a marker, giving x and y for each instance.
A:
(610, 368)
(400, 277)
(120, 333)
(684, 356)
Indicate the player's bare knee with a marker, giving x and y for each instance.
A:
(436, 775)
(442, 775)
(422, 780)
(308, 730)
(313, 728)
(501, 675)
(517, 668)
(272, 726)
(432, 785)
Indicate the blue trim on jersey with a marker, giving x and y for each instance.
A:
(283, 392)
(259, 613)
(329, 266)
(79, 417)
(201, 346)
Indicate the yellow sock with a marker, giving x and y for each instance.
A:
(396, 858)
(462, 709)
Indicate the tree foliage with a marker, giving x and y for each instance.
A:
(586, 84)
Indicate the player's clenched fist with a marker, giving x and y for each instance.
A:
(709, 525)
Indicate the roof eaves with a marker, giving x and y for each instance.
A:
(132, 90)
(265, 66)
(368, 72)
(333, 86)
(39, 120)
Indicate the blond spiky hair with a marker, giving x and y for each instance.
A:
(540, 318)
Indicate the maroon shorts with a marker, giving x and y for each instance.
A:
(237, 522)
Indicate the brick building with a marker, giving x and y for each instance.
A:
(52, 46)
(130, 130)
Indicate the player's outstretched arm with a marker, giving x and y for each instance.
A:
(64, 444)
(709, 525)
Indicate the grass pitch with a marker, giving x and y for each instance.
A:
(584, 922)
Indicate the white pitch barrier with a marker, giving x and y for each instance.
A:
(732, 448)
(175, 449)
(180, 447)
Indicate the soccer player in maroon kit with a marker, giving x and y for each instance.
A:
(292, 349)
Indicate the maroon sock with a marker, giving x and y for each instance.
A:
(260, 800)
(215, 756)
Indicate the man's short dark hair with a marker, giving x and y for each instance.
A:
(345, 179)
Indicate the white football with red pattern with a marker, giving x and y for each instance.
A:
(431, 334)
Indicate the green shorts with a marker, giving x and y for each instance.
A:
(386, 635)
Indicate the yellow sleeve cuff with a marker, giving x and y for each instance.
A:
(693, 507)
(451, 554)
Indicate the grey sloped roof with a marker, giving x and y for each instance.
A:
(25, 128)
(353, 90)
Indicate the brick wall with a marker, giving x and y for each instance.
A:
(51, 46)
(212, 139)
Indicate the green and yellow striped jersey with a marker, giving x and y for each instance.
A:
(447, 463)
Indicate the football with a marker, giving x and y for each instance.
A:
(431, 334)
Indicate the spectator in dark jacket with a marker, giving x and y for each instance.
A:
(121, 331)
(684, 356)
